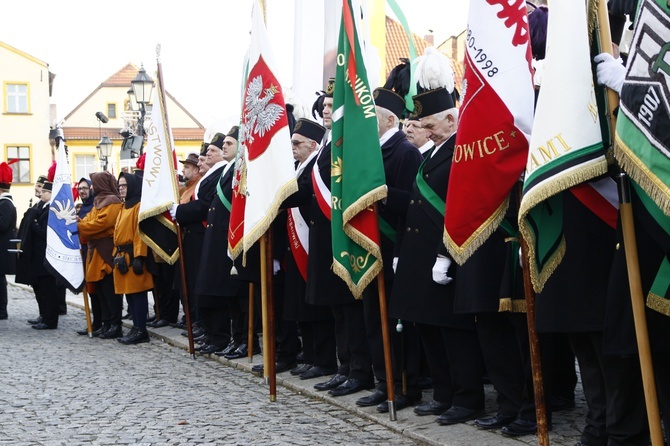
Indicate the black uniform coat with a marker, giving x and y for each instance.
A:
(324, 287)
(416, 297)
(619, 329)
(573, 299)
(7, 232)
(401, 163)
(23, 268)
(215, 264)
(295, 306)
(493, 262)
(38, 247)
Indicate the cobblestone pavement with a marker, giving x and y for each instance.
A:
(58, 388)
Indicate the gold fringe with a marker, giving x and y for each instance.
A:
(262, 226)
(360, 206)
(638, 171)
(539, 278)
(369, 276)
(560, 182)
(157, 212)
(462, 253)
(592, 18)
(658, 303)
(507, 304)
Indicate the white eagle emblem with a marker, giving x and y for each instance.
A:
(259, 114)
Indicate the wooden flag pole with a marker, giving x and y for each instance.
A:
(632, 261)
(535, 361)
(271, 317)
(250, 330)
(187, 313)
(84, 292)
(184, 290)
(264, 308)
(388, 363)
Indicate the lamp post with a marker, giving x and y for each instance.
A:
(104, 148)
(142, 87)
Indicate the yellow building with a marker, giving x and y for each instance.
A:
(24, 123)
(83, 129)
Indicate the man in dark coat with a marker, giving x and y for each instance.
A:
(423, 291)
(23, 273)
(324, 287)
(211, 274)
(401, 163)
(315, 321)
(48, 292)
(7, 232)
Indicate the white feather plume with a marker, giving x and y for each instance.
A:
(434, 70)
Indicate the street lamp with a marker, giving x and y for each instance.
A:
(142, 87)
(104, 147)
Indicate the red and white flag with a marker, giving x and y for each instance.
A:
(265, 174)
(496, 117)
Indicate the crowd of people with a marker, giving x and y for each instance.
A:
(454, 327)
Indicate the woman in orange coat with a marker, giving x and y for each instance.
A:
(130, 273)
(98, 228)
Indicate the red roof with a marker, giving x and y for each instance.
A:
(92, 133)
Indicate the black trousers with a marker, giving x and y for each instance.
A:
(3, 296)
(111, 304)
(48, 298)
(456, 365)
(318, 343)
(216, 319)
(138, 306)
(405, 350)
(166, 297)
(351, 339)
(588, 349)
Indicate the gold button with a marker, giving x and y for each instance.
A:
(411, 201)
(420, 203)
(409, 229)
(416, 231)
(311, 222)
(426, 175)
(618, 245)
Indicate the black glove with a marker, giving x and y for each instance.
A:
(120, 264)
(138, 265)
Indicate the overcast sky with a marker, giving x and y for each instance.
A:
(203, 43)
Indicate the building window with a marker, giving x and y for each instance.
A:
(21, 170)
(84, 165)
(111, 111)
(17, 98)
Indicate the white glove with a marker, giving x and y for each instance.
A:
(440, 270)
(173, 211)
(395, 264)
(276, 266)
(609, 71)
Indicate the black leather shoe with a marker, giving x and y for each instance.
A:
(457, 414)
(352, 385)
(201, 339)
(432, 407)
(159, 323)
(43, 326)
(496, 421)
(401, 402)
(127, 317)
(37, 320)
(241, 352)
(196, 332)
(197, 348)
(333, 382)
(140, 336)
(115, 331)
(316, 372)
(100, 331)
(519, 428)
(130, 334)
(374, 399)
(84, 332)
(231, 347)
(280, 367)
(180, 324)
(301, 369)
(211, 348)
